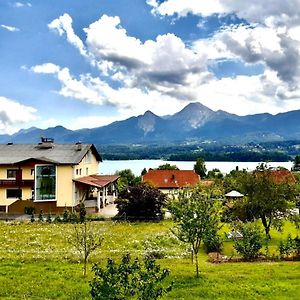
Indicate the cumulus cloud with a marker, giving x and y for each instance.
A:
(267, 11)
(63, 25)
(10, 28)
(95, 91)
(164, 74)
(13, 113)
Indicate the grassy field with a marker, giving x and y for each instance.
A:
(37, 262)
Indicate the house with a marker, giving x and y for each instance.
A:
(170, 181)
(52, 177)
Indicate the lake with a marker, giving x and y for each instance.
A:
(109, 167)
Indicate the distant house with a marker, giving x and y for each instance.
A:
(52, 177)
(170, 181)
(281, 176)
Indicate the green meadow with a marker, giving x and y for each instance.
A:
(37, 262)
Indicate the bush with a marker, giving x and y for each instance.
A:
(290, 247)
(141, 202)
(129, 280)
(251, 241)
(212, 241)
(28, 210)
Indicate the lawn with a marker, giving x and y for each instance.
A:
(37, 262)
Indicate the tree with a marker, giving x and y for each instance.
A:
(200, 167)
(215, 174)
(129, 280)
(85, 239)
(127, 178)
(167, 167)
(195, 213)
(144, 171)
(141, 202)
(268, 200)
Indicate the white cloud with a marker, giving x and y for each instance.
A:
(47, 68)
(21, 4)
(10, 28)
(13, 113)
(164, 74)
(267, 11)
(128, 101)
(62, 25)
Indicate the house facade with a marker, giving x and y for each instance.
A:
(170, 181)
(45, 176)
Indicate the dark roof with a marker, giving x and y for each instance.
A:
(97, 180)
(55, 153)
(171, 178)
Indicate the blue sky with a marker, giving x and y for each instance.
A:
(87, 63)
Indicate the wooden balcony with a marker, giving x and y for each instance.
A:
(8, 183)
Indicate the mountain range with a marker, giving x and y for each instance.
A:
(195, 122)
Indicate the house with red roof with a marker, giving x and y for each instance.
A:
(170, 181)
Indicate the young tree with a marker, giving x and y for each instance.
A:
(129, 280)
(194, 214)
(141, 202)
(85, 239)
(200, 167)
(268, 200)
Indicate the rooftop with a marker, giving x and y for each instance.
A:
(171, 178)
(46, 151)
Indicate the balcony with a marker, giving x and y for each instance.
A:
(16, 183)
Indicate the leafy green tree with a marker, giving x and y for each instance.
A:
(141, 202)
(214, 174)
(200, 167)
(127, 178)
(129, 280)
(268, 200)
(167, 167)
(195, 213)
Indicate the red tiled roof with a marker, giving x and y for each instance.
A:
(97, 180)
(171, 178)
(281, 176)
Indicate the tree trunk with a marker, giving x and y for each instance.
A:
(266, 226)
(84, 267)
(197, 265)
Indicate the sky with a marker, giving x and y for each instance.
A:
(87, 63)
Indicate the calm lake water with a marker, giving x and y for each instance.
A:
(109, 167)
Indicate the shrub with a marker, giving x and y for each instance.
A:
(129, 280)
(29, 210)
(251, 241)
(212, 241)
(290, 247)
(141, 202)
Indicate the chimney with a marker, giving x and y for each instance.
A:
(46, 143)
(78, 146)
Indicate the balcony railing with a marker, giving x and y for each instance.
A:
(16, 183)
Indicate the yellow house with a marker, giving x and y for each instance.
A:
(51, 177)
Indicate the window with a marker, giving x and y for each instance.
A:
(11, 174)
(76, 171)
(45, 178)
(87, 171)
(79, 171)
(13, 193)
